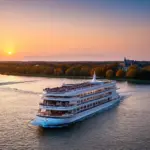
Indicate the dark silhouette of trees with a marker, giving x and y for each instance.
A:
(143, 75)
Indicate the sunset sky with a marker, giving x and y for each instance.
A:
(70, 30)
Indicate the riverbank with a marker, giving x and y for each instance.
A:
(135, 81)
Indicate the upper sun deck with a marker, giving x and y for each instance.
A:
(66, 88)
(74, 87)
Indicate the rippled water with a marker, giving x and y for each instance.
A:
(126, 126)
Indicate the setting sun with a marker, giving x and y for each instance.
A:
(9, 53)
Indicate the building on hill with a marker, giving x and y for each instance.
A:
(140, 64)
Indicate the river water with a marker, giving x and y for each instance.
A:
(125, 127)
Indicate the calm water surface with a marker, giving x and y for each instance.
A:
(125, 127)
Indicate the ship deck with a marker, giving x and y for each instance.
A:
(69, 87)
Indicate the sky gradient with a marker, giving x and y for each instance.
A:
(68, 30)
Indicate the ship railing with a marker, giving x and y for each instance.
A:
(84, 89)
(58, 105)
(96, 93)
(60, 92)
(51, 115)
(57, 99)
(65, 89)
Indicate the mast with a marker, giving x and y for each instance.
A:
(94, 77)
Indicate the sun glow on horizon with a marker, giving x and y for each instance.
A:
(9, 53)
(74, 30)
(8, 48)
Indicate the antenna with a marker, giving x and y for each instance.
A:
(94, 77)
(63, 83)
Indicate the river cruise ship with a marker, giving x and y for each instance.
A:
(70, 103)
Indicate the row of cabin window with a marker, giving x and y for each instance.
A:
(82, 101)
(95, 91)
(60, 96)
(100, 102)
(48, 102)
(67, 103)
(80, 109)
(93, 97)
(91, 92)
(84, 94)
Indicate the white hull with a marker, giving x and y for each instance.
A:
(48, 122)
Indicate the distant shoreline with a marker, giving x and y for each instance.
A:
(136, 81)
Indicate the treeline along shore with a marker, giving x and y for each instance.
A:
(110, 70)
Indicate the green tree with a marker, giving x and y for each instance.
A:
(109, 73)
(132, 73)
(73, 71)
(100, 71)
(133, 67)
(58, 71)
(49, 71)
(120, 73)
(85, 71)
